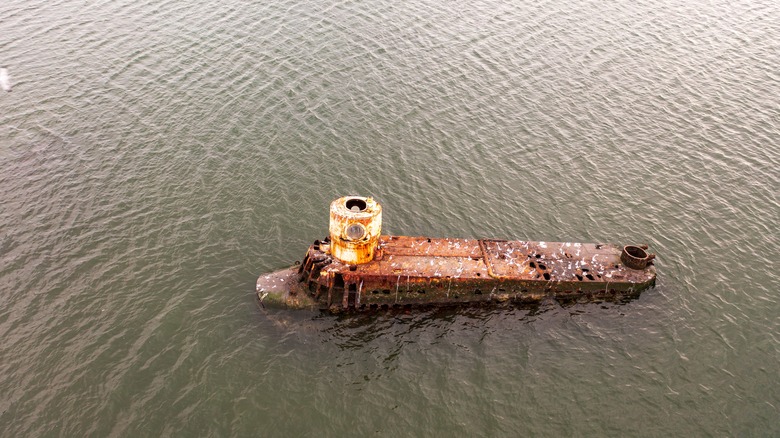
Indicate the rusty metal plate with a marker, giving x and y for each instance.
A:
(426, 246)
(557, 261)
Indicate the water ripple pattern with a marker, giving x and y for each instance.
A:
(157, 156)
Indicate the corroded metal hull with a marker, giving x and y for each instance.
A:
(421, 271)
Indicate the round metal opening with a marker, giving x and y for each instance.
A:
(634, 257)
(635, 251)
(356, 204)
(355, 231)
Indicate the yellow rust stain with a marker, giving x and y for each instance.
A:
(355, 226)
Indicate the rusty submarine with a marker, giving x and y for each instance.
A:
(356, 268)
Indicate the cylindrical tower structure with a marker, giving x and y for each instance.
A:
(355, 225)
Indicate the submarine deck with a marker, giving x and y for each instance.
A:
(422, 270)
(499, 259)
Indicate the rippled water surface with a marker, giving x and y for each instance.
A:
(157, 156)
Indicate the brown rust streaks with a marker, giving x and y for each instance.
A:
(421, 270)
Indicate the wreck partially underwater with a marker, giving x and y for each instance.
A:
(356, 268)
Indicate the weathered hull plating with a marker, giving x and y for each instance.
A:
(421, 271)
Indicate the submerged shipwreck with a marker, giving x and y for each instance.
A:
(356, 268)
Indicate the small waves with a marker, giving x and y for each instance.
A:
(158, 156)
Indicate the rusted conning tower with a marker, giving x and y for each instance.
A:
(356, 268)
(355, 225)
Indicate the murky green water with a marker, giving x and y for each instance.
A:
(156, 157)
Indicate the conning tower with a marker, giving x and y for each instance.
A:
(355, 225)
